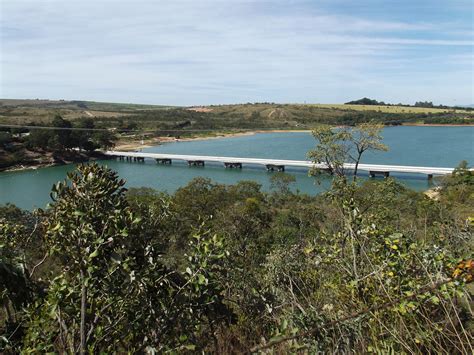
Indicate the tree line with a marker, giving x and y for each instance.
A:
(66, 135)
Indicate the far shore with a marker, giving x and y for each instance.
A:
(127, 146)
(149, 143)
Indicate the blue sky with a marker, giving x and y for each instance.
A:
(232, 51)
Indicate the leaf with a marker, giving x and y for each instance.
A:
(435, 300)
(202, 280)
(94, 253)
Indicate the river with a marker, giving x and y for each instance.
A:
(408, 145)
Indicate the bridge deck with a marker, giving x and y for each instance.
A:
(288, 163)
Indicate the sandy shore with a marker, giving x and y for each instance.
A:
(136, 145)
(128, 146)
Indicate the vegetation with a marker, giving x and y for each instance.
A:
(419, 104)
(367, 267)
(82, 136)
(64, 140)
(345, 145)
(231, 117)
(133, 123)
(365, 101)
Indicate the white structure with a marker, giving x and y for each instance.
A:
(275, 164)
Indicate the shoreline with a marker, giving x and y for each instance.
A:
(130, 146)
(48, 164)
(152, 142)
(436, 125)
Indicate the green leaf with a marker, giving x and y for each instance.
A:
(202, 280)
(435, 300)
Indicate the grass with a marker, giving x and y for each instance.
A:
(388, 109)
(19, 111)
(221, 117)
(339, 107)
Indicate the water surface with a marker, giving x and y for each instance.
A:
(422, 146)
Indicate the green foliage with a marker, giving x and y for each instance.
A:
(15, 286)
(365, 101)
(280, 182)
(335, 147)
(85, 137)
(366, 268)
(457, 190)
(113, 291)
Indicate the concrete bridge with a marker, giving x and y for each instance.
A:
(275, 164)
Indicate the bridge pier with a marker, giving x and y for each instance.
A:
(196, 162)
(273, 167)
(233, 165)
(276, 164)
(163, 161)
(385, 174)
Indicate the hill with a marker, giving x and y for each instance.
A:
(249, 116)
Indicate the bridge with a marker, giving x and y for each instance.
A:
(275, 164)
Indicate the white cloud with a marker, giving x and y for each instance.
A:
(182, 52)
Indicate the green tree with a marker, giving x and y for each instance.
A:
(337, 146)
(281, 182)
(86, 229)
(82, 138)
(104, 139)
(61, 137)
(113, 292)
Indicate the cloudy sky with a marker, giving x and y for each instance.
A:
(230, 51)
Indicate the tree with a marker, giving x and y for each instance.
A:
(114, 293)
(61, 137)
(86, 229)
(104, 139)
(338, 146)
(281, 182)
(5, 138)
(82, 138)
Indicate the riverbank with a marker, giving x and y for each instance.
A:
(130, 145)
(151, 142)
(38, 160)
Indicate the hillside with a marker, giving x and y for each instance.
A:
(224, 117)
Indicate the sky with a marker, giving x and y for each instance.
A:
(189, 52)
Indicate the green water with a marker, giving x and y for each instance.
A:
(422, 146)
